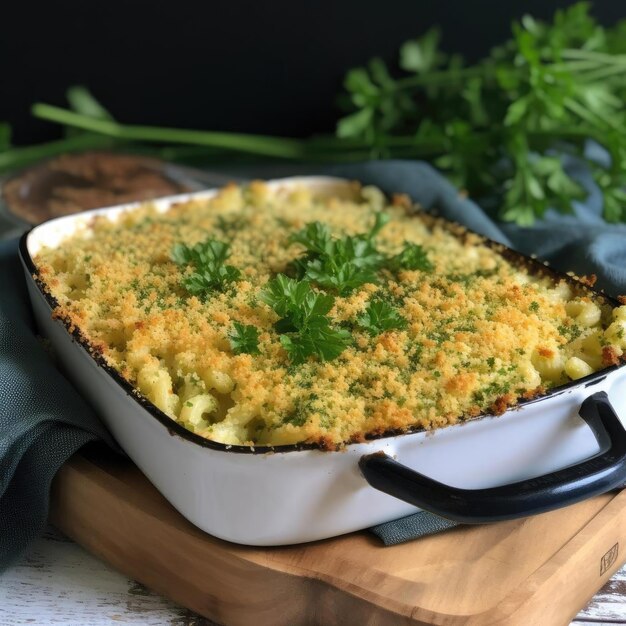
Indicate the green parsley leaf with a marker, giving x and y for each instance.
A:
(353, 125)
(244, 338)
(208, 261)
(343, 277)
(412, 257)
(304, 326)
(358, 82)
(380, 221)
(342, 264)
(421, 55)
(315, 237)
(613, 187)
(295, 299)
(321, 341)
(379, 317)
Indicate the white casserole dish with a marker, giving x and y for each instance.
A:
(295, 494)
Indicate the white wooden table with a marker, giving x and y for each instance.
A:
(57, 582)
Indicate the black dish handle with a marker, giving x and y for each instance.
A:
(596, 475)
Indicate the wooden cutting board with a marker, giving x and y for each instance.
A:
(539, 570)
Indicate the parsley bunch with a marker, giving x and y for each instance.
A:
(495, 126)
(304, 325)
(210, 273)
(346, 263)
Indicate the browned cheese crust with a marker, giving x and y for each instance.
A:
(481, 332)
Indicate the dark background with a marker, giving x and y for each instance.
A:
(270, 67)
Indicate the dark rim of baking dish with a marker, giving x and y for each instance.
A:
(530, 264)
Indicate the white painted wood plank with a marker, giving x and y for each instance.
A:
(586, 621)
(58, 582)
(609, 604)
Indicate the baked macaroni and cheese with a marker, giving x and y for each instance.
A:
(265, 316)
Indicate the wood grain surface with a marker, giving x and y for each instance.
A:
(537, 570)
(57, 582)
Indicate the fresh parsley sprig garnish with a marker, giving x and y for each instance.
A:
(339, 264)
(321, 341)
(343, 264)
(412, 257)
(304, 327)
(244, 339)
(379, 317)
(286, 296)
(210, 273)
(315, 237)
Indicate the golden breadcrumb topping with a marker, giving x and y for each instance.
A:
(463, 330)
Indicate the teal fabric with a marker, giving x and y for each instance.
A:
(411, 527)
(43, 421)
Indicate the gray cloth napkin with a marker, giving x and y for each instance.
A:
(411, 527)
(43, 421)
